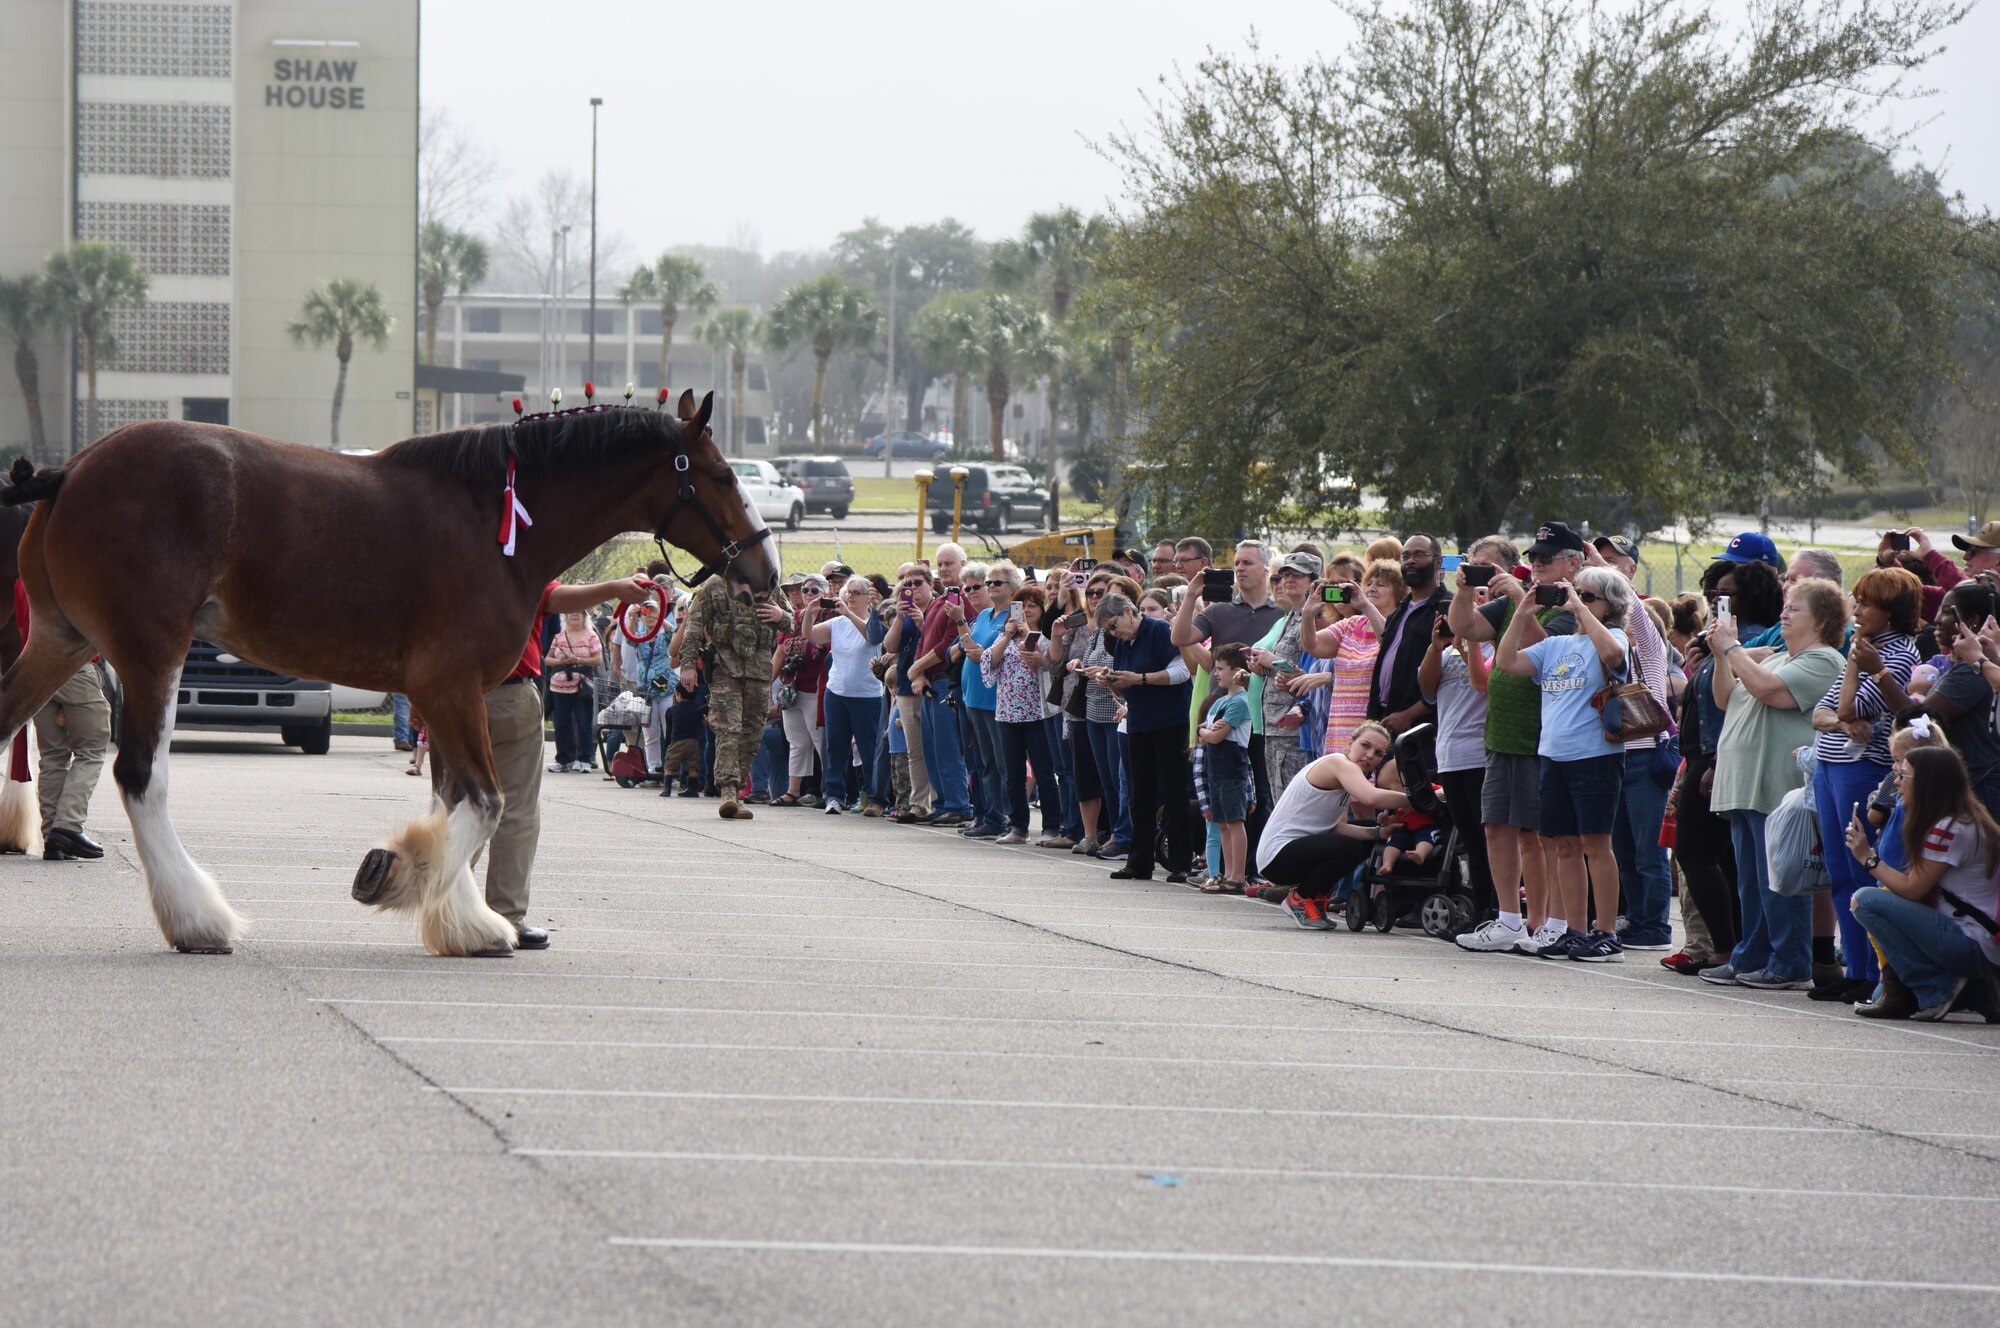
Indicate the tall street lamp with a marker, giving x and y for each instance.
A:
(595, 102)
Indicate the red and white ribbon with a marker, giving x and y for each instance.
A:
(511, 508)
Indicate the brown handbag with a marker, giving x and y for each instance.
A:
(1628, 709)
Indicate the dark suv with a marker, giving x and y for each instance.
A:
(219, 689)
(996, 496)
(824, 480)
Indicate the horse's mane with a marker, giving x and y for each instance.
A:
(538, 445)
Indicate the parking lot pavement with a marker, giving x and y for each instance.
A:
(819, 1070)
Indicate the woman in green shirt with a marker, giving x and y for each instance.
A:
(1767, 715)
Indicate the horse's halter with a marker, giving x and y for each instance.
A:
(687, 497)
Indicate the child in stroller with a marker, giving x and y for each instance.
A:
(1419, 874)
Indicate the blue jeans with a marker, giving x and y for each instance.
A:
(881, 783)
(991, 803)
(1117, 816)
(850, 720)
(399, 711)
(1642, 863)
(774, 753)
(942, 758)
(1837, 786)
(1926, 948)
(1777, 930)
(1065, 759)
(1022, 747)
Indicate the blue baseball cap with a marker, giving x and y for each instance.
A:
(1752, 547)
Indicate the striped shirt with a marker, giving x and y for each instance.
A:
(1899, 656)
(1353, 670)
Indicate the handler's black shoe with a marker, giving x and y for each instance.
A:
(531, 938)
(60, 844)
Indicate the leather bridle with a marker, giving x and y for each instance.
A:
(688, 498)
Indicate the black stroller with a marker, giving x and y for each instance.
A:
(1437, 893)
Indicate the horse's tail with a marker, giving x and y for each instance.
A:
(30, 485)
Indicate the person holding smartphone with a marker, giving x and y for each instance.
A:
(1354, 616)
(853, 695)
(1275, 712)
(1017, 668)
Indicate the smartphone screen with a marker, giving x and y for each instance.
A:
(1218, 584)
(1333, 594)
(1451, 562)
(1033, 640)
(1479, 574)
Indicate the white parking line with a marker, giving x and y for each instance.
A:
(957, 1053)
(1752, 1192)
(1527, 1271)
(490, 971)
(1002, 1019)
(954, 1053)
(1173, 1109)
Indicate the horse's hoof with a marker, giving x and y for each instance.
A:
(371, 882)
(204, 949)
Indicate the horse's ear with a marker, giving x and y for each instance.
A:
(700, 420)
(684, 408)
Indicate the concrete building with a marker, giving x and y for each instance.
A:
(546, 342)
(245, 151)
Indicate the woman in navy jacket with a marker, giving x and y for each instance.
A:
(1148, 675)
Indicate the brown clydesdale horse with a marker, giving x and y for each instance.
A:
(380, 572)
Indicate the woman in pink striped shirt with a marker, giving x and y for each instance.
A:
(1351, 640)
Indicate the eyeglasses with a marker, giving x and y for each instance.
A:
(1418, 556)
(999, 585)
(1902, 772)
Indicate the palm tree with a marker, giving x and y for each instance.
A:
(24, 309)
(828, 313)
(734, 330)
(341, 311)
(947, 332)
(679, 285)
(1054, 257)
(87, 283)
(446, 260)
(1011, 341)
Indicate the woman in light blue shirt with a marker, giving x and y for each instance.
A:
(1581, 770)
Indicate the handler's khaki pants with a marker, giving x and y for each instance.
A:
(514, 721)
(73, 732)
(911, 709)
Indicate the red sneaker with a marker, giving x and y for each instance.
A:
(1680, 962)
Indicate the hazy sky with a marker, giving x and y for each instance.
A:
(797, 118)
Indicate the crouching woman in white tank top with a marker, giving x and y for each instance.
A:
(1310, 843)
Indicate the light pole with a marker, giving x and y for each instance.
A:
(595, 102)
(889, 385)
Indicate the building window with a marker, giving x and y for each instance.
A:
(753, 378)
(205, 410)
(153, 40)
(173, 336)
(168, 239)
(482, 319)
(174, 140)
(650, 323)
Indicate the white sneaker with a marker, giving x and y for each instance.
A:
(557, 767)
(833, 808)
(1544, 936)
(1492, 935)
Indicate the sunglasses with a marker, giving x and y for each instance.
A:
(1098, 593)
(1588, 596)
(998, 585)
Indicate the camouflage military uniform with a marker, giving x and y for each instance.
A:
(739, 684)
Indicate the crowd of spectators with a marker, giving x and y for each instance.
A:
(1816, 776)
